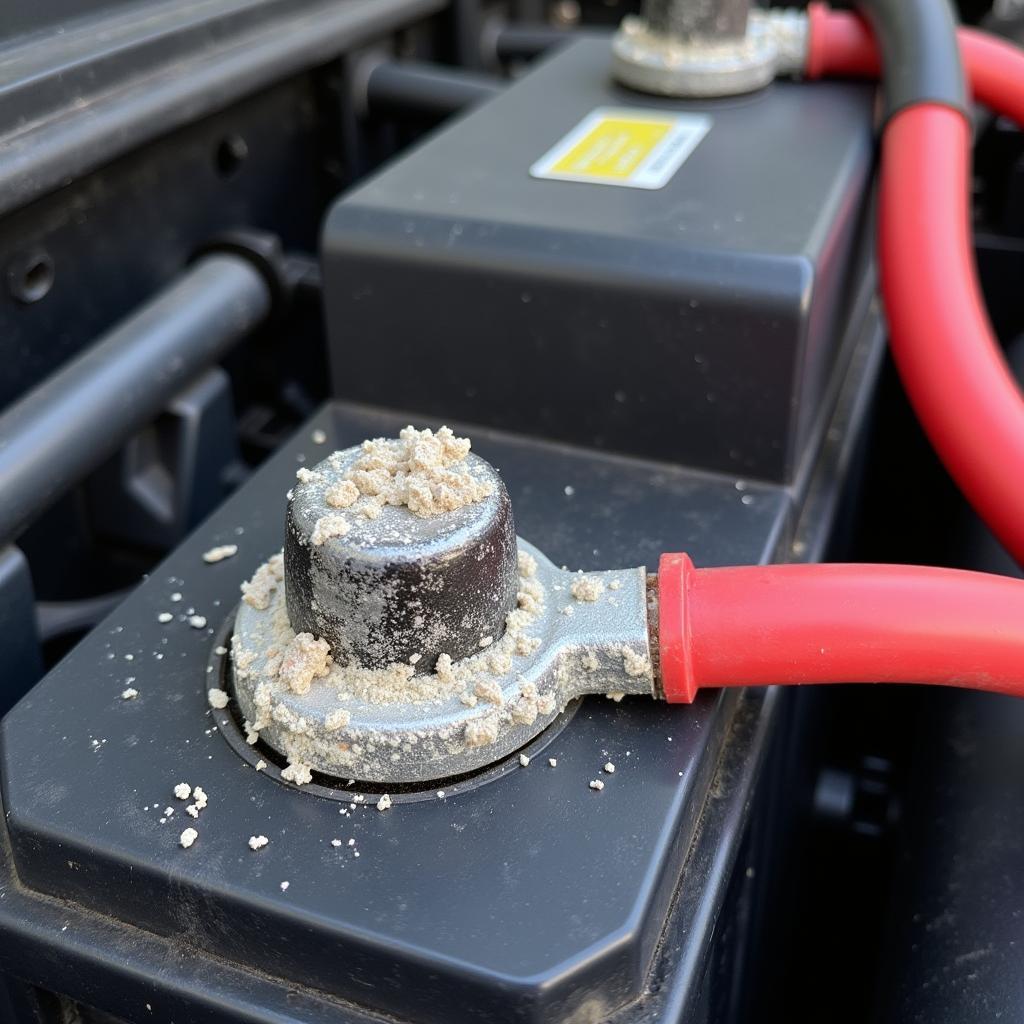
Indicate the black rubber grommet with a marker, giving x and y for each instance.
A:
(261, 249)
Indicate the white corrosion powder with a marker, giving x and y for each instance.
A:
(218, 698)
(257, 592)
(481, 732)
(298, 773)
(490, 691)
(182, 790)
(329, 527)
(257, 842)
(337, 719)
(342, 495)
(200, 800)
(305, 659)
(424, 471)
(188, 837)
(219, 553)
(635, 664)
(587, 588)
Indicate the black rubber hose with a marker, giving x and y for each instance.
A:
(920, 54)
(414, 89)
(66, 426)
(527, 42)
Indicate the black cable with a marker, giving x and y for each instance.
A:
(920, 54)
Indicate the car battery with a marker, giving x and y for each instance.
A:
(662, 278)
(516, 892)
(705, 306)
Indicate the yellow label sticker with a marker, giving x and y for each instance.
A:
(631, 147)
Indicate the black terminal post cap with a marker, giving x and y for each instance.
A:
(398, 587)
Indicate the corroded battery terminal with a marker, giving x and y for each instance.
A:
(405, 633)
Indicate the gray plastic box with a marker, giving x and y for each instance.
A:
(699, 322)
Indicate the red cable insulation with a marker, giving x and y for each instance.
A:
(942, 342)
(760, 625)
(840, 45)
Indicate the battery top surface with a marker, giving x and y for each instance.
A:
(761, 181)
(700, 318)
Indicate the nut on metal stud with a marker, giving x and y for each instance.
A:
(652, 55)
